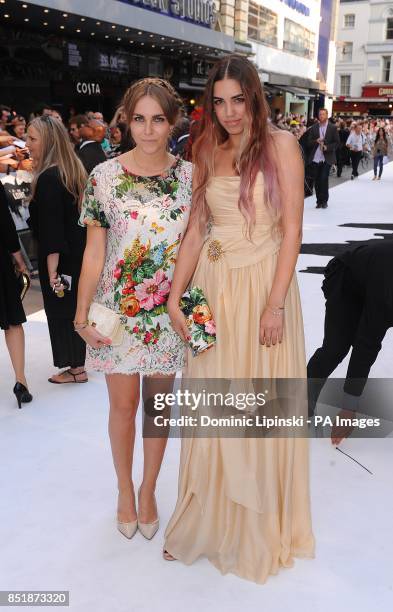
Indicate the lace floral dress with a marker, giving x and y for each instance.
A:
(145, 218)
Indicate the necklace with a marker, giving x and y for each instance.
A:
(160, 171)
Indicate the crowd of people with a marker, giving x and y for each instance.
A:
(366, 137)
(124, 223)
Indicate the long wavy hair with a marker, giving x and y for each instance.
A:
(256, 150)
(57, 150)
(378, 137)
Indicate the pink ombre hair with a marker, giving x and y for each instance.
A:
(256, 153)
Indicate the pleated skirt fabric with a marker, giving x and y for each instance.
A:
(244, 503)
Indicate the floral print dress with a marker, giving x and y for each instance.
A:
(145, 218)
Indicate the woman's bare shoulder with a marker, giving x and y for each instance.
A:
(283, 138)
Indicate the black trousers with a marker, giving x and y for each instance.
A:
(342, 159)
(356, 156)
(68, 348)
(344, 306)
(321, 181)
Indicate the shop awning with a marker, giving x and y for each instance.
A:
(148, 23)
(272, 89)
(362, 100)
(299, 92)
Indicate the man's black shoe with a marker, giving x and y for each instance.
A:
(318, 205)
(324, 205)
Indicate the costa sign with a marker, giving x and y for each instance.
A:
(89, 89)
(376, 91)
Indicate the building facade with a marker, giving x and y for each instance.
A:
(363, 83)
(327, 51)
(76, 55)
(284, 36)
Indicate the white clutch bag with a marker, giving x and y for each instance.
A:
(107, 322)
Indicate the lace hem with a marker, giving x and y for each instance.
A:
(144, 371)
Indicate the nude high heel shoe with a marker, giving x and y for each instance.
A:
(128, 529)
(148, 530)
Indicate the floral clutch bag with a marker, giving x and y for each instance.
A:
(199, 320)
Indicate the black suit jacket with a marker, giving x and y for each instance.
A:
(91, 154)
(309, 143)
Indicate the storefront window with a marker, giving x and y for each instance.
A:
(298, 40)
(262, 24)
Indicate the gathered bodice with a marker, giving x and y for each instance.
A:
(222, 196)
(229, 228)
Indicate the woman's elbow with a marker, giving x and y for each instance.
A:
(293, 233)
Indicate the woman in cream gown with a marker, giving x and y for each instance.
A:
(243, 502)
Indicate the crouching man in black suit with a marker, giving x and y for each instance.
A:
(358, 288)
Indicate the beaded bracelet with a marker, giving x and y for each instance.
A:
(276, 311)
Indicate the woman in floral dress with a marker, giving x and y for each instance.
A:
(136, 208)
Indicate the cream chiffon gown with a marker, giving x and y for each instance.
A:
(243, 502)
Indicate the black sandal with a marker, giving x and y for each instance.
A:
(66, 382)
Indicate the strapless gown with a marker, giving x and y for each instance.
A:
(243, 503)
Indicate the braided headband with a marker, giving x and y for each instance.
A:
(155, 81)
(159, 83)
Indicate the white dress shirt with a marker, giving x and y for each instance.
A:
(318, 155)
(356, 141)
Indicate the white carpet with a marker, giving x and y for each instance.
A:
(57, 502)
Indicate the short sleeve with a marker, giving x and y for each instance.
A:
(92, 212)
(51, 197)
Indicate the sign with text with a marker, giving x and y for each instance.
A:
(297, 6)
(377, 91)
(113, 62)
(88, 88)
(199, 12)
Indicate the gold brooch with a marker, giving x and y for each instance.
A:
(214, 250)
